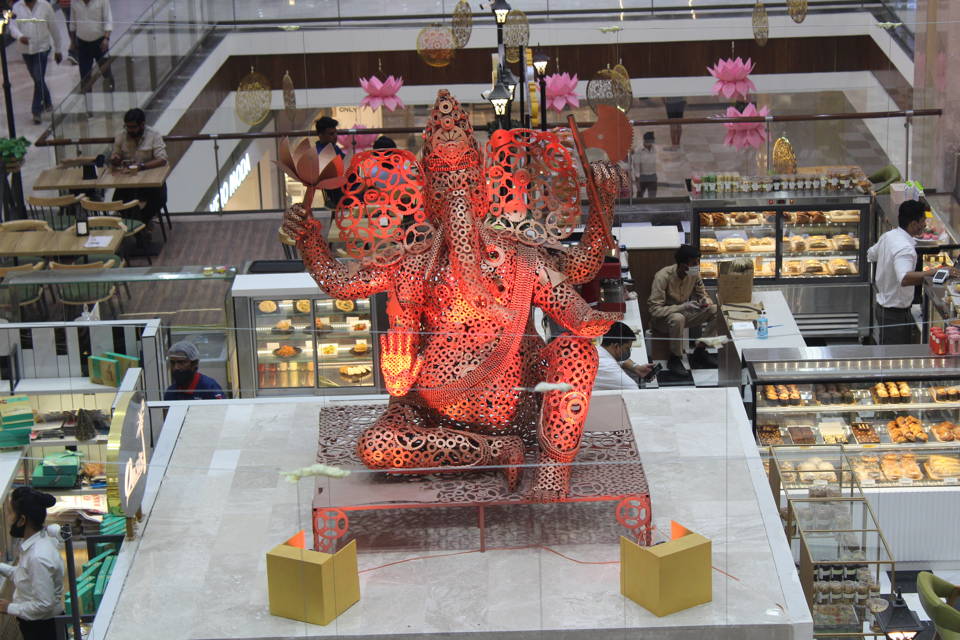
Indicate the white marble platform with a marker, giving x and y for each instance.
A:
(200, 573)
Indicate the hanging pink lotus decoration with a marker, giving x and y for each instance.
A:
(359, 141)
(732, 80)
(382, 93)
(748, 134)
(562, 91)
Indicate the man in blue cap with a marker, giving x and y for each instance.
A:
(188, 382)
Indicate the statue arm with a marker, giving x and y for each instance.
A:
(561, 302)
(582, 263)
(335, 278)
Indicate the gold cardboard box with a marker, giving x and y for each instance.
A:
(668, 577)
(310, 586)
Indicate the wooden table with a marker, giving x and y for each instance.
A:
(71, 179)
(55, 243)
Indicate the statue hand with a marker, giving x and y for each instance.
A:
(609, 178)
(399, 361)
(295, 221)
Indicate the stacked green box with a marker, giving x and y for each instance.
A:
(85, 591)
(104, 370)
(92, 583)
(16, 421)
(124, 362)
(103, 577)
(57, 470)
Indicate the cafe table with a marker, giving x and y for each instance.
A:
(70, 178)
(18, 244)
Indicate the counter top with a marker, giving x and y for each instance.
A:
(783, 330)
(221, 505)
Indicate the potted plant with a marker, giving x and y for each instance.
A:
(12, 151)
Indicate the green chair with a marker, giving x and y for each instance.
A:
(133, 226)
(947, 619)
(27, 294)
(85, 293)
(25, 226)
(59, 212)
(884, 178)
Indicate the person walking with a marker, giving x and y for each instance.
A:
(64, 6)
(34, 28)
(643, 166)
(90, 27)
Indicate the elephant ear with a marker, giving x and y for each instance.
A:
(381, 216)
(533, 186)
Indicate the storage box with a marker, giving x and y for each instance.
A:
(104, 370)
(43, 481)
(331, 581)
(668, 577)
(85, 596)
(125, 362)
(15, 437)
(734, 287)
(64, 463)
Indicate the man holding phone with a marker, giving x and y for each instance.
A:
(615, 369)
(138, 148)
(679, 300)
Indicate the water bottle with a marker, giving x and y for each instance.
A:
(763, 326)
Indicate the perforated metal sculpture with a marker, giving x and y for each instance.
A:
(464, 254)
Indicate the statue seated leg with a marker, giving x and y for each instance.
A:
(402, 438)
(573, 360)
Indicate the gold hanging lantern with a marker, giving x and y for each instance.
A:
(253, 98)
(611, 87)
(516, 34)
(436, 45)
(797, 10)
(289, 96)
(784, 158)
(761, 24)
(462, 24)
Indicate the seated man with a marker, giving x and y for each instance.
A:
(137, 148)
(188, 382)
(615, 369)
(679, 300)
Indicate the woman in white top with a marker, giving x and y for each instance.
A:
(38, 575)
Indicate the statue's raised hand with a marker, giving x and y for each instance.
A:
(399, 361)
(295, 221)
(610, 178)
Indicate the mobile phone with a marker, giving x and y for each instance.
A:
(657, 368)
(941, 276)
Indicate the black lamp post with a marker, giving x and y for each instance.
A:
(499, 97)
(16, 186)
(510, 81)
(500, 10)
(540, 62)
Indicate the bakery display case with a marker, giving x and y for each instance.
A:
(304, 342)
(795, 239)
(896, 415)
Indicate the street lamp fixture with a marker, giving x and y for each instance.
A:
(500, 10)
(499, 97)
(508, 78)
(540, 62)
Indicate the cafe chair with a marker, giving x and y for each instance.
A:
(28, 294)
(25, 226)
(59, 212)
(106, 222)
(84, 293)
(931, 590)
(133, 225)
(164, 213)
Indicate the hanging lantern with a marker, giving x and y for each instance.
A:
(289, 96)
(436, 46)
(253, 98)
(784, 158)
(516, 34)
(462, 24)
(797, 10)
(610, 87)
(761, 24)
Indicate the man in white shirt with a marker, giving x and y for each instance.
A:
(643, 166)
(615, 369)
(895, 256)
(91, 22)
(34, 28)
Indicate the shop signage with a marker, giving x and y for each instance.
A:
(127, 453)
(231, 183)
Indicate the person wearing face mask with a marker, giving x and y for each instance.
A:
(678, 300)
(188, 382)
(616, 370)
(38, 575)
(895, 256)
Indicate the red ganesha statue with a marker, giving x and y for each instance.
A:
(465, 244)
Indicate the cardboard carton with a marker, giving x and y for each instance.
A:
(104, 370)
(125, 362)
(311, 586)
(668, 577)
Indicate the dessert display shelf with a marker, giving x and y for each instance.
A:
(788, 240)
(292, 338)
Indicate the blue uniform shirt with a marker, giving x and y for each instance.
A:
(203, 388)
